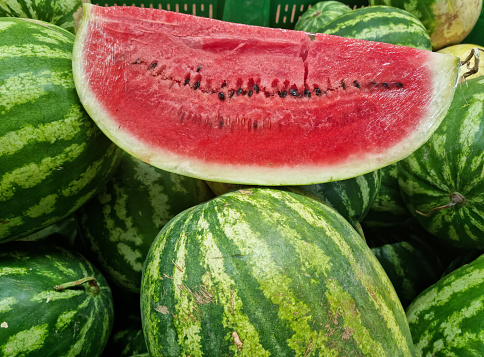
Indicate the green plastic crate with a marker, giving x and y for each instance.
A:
(271, 13)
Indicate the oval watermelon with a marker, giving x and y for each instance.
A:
(320, 14)
(255, 105)
(53, 158)
(57, 12)
(447, 22)
(40, 319)
(442, 183)
(264, 272)
(119, 224)
(381, 23)
(447, 318)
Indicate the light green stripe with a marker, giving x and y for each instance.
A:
(28, 87)
(4, 25)
(6, 304)
(33, 50)
(81, 339)
(64, 320)
(52, 295)
(65, 129)
(28, 340)
(133, 257)
(13, 271)
(32, 174)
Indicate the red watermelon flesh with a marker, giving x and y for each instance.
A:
(246, 104)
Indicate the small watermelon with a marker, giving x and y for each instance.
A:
(53, 158)
(119, 224)
(265, 272)
(447, 22)
(381, 23)
(442, 183)
(53, 302)
(320, 14)
(447, 319)
(255, 105)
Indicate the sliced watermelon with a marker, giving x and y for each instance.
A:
(245, 104)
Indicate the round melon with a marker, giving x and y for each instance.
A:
(447, 22)
(53, 302)
(57, 12)
(383, 24)
(264, 272)
(53, 157)
(447, 319)
(119, 224)
(320, 14)
(442, 183)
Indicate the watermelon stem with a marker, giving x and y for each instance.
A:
(455, 198)
(474, 69)
(92, 286)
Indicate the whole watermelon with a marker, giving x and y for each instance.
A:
(43, 312)
(57, 12)
(320, 14)
(53, 158)
(265, 272)
(442, 183)
(119, 224)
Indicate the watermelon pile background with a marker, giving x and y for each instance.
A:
(104, 255)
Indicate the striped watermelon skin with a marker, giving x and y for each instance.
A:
(447, 319)
(57, 12)
(448, 169)
(383, 24)
(388, 208)
(352, 198)
(53, 157)
(320, 14)
(37, 320)
(118, 226)
(447, 22)
(264, 272)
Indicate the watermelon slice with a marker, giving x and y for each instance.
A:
(244, 104)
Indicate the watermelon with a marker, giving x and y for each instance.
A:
(53, 158)
(388, 208)
(255, 105)
(381, 23)
(265, 272)
(40, 313)
(57, 12)
(352, 198)
(118, 226)
(442, 183)
(447, 318)
(320, 14)
(447, 22)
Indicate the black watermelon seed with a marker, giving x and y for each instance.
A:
(307, 93)
(256, 88)
(282, 94)
(385, 85)
(231, 94)
(343, 84)
(186, 81)
(138, 61)
(374, 83)
(250, 93)
(196, 85)
(153, 65)
(398, 84)
(239, 91)
(356, 84)
(199, 68)
(221, 96)
(255, 125)
(293, 92)
(224, 84)
(317, 91)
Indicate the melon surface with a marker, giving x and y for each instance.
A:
(245, 104)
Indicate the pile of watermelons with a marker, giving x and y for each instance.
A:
(102, 254)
